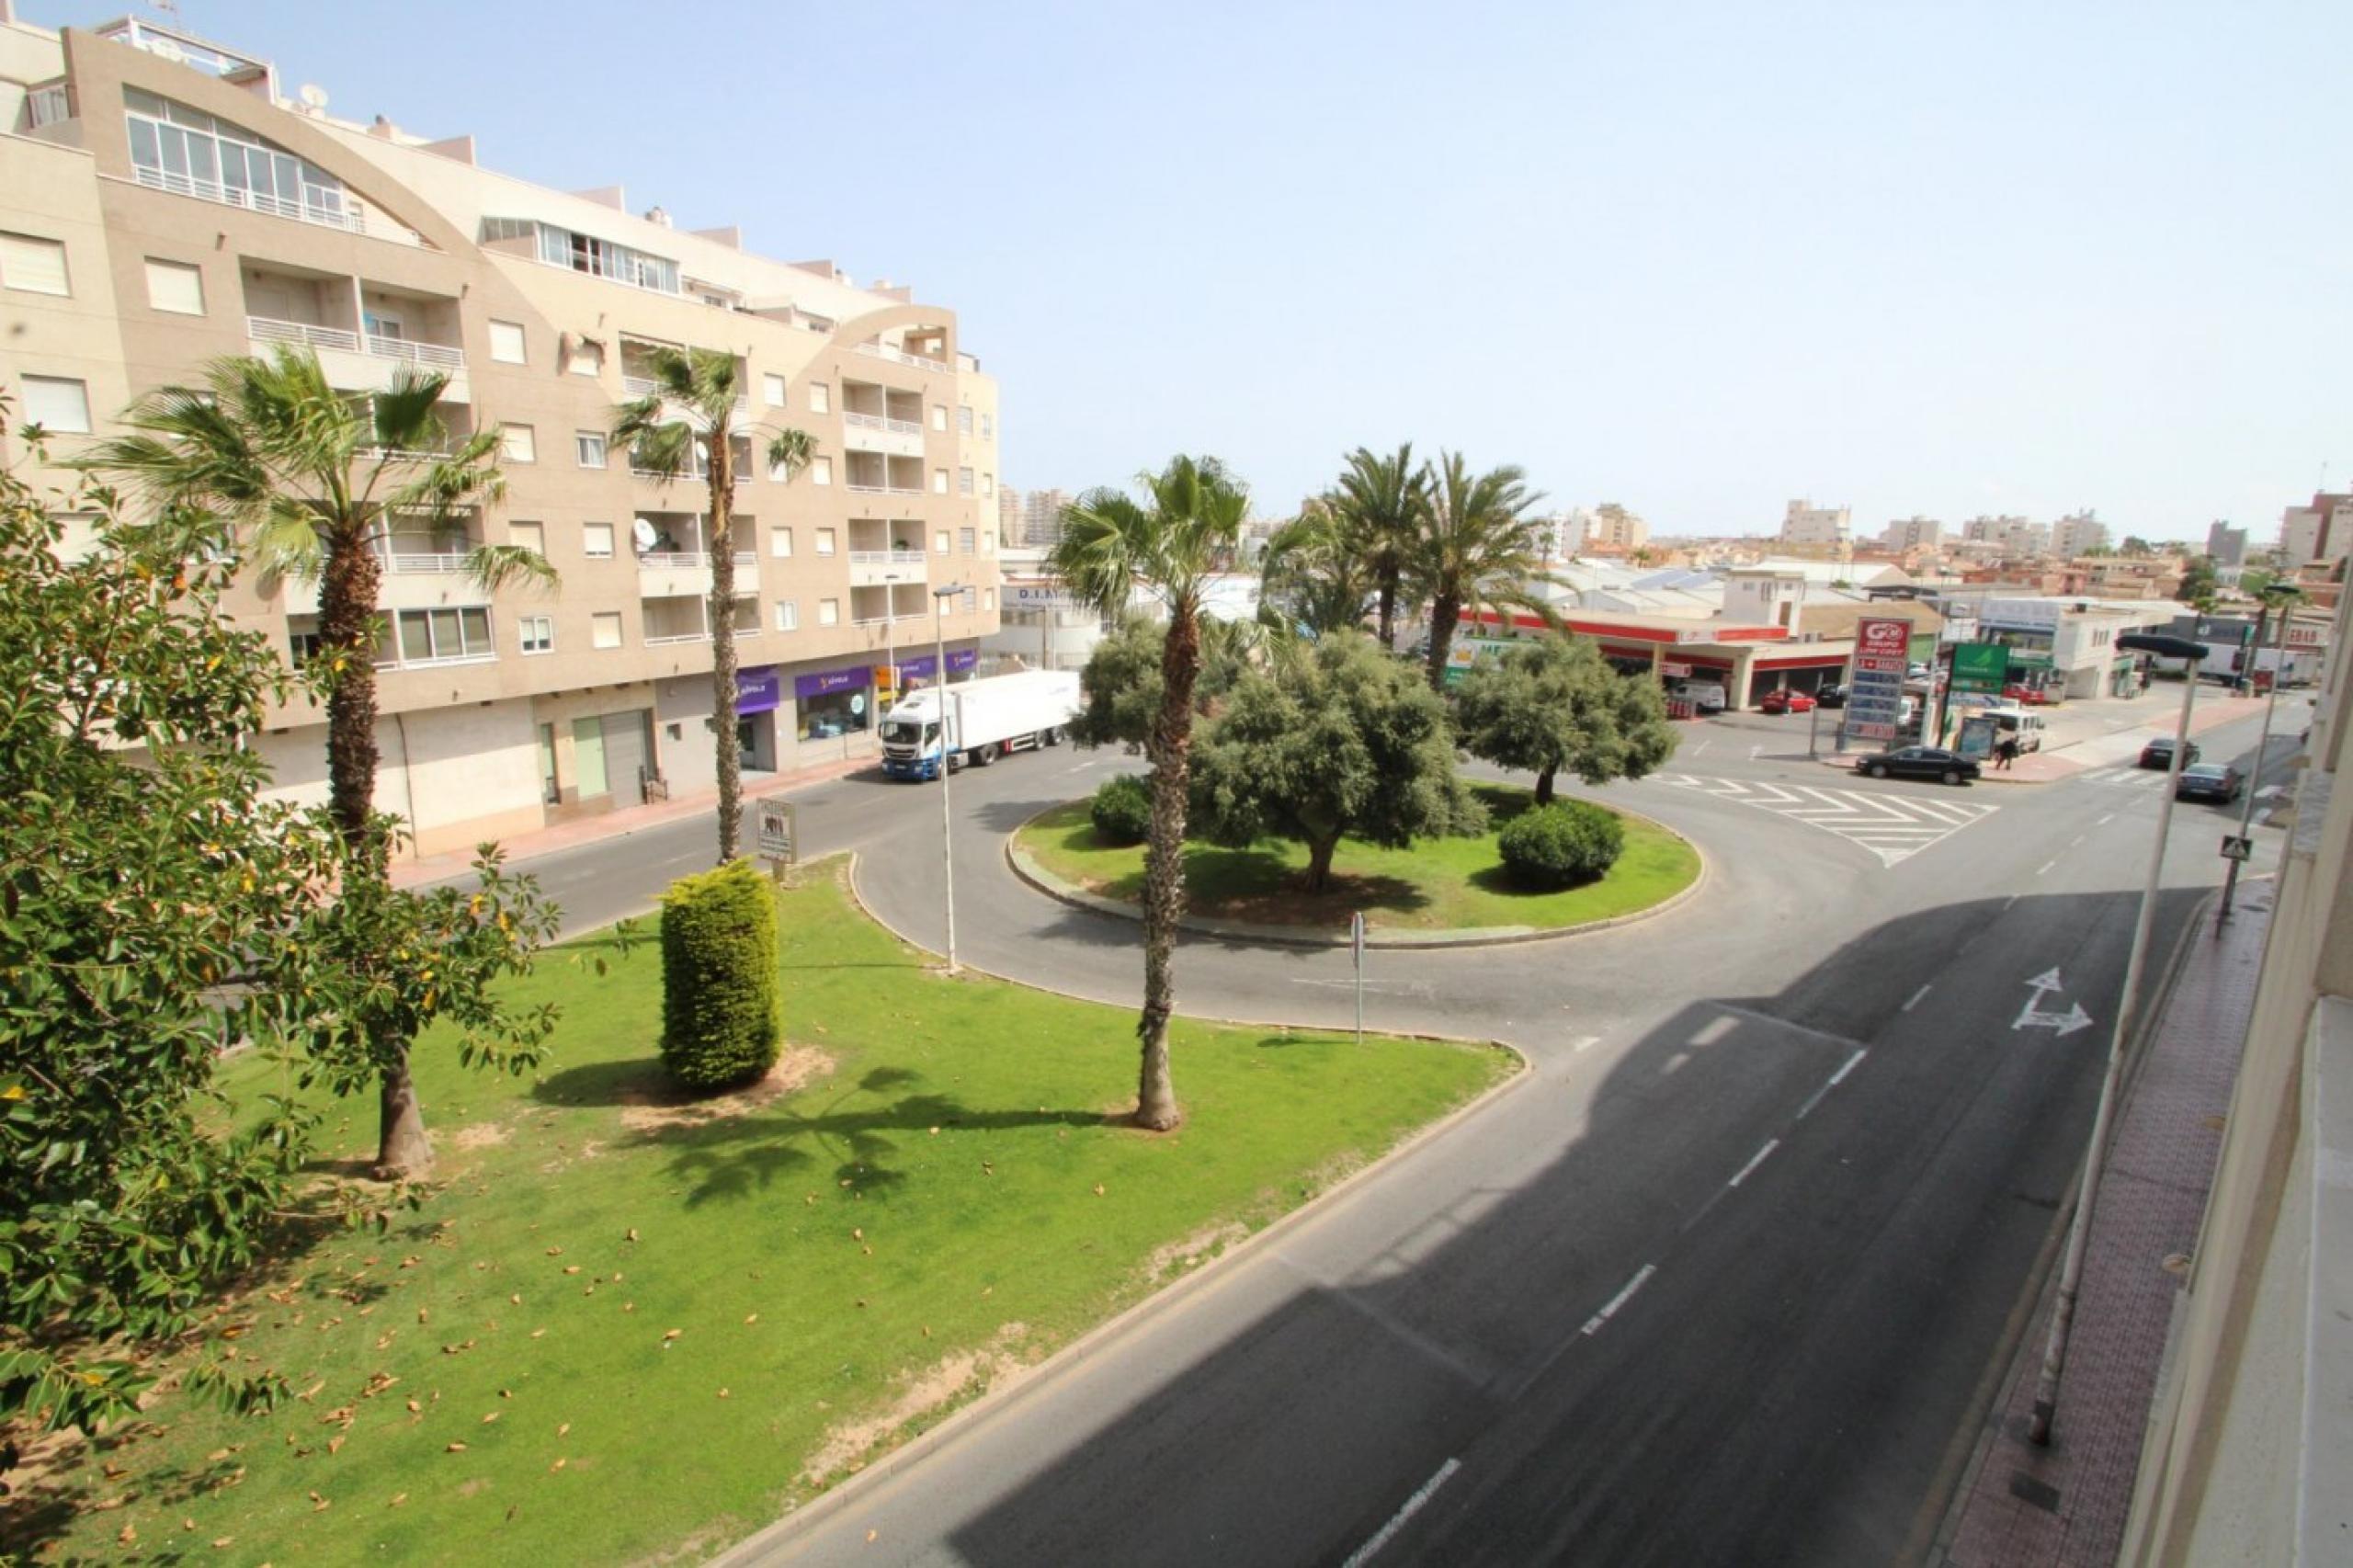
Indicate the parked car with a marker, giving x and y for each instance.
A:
(1919, 762)
(1831, 696)
(2026, 696)
(1705, 696)
(1786, 702)
(2209, 781)
(2159, 753)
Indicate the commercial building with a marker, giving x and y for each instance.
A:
(2068, 645)
(1806, 524)
(163, 204)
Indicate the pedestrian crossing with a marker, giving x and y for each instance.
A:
(2142, 779)
(1891, 825)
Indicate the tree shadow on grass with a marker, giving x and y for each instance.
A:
(1499, 881)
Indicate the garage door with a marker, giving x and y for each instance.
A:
(626, 756)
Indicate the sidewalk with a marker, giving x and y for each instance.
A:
(2087, 735)
(2021, 1506)
(615, 825)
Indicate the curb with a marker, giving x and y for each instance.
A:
(1025, 867)
(751, 1548)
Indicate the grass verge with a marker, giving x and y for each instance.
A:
(626, 1327)
(1437, 884)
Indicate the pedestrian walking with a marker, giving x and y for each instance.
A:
(2006, 752)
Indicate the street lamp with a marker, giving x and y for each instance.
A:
(2062, 1311)
(940, 598)
(2276, 595)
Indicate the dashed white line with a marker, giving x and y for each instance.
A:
(1754, 1161)
(2044, 867)
(1388, 1532)
(2105, 819)
(1916, 997)
(1852, 1062)
(1586, 1043)
(2072, 842)
(1609, 1310)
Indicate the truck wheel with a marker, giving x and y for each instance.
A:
(1049, 736)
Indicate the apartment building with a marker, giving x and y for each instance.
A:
(1803, 523)
(163, 203)
(1041, 517)
(2321, 531)
(2014, 535)
(2078, 533)
(2225, 546)
(1913, 533)
(1606, 530)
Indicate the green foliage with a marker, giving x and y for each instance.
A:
(722, 1019)
(1122, 808)
(1339, 740)
(2198, 583)
(1477, 549)
(1562, 844)
(1554, 705)
(1122, 683)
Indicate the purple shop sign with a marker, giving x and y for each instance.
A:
(924, 666)
(823, 681)
(758, 691)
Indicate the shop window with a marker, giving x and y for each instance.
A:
(836, 713)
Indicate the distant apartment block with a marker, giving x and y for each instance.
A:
(2078, 534)
(163, 203)
(2322, 532)
(2014, 535)
(1913, 533)
(1606, 529)
(2226, 546)
(1041, 517)
(1807, 524)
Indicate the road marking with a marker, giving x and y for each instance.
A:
(2072, 842)
(1703, 747)
(1852, 1062)
(1593, 1324)
(2032, 1016)
(2011, 900)
(1756, 751)
(1585, 1043)
(2044, 867)
(1916, 995)
(1893, 826)
(1754, 1161)
(1388, 1532)
(1713, 1030)
(2106, 817)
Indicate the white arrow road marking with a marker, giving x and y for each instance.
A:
(1893, 826)
(2031, 1015)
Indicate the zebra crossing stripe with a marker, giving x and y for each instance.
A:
(1894, 827)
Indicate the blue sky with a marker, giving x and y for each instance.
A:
(1697, 260)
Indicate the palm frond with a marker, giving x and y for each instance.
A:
(790, 450)
(494, 566)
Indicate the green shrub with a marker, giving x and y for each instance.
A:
(1561, 844)
(722, 1016)
(1121, 810)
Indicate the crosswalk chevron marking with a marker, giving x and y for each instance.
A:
(1894, 827)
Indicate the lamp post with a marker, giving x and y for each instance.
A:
(2071, 1274)
(940, 598)
(2276, 597)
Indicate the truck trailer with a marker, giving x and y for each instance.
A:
(984, 720)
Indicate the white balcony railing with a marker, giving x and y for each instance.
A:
(438, 355)
(878, 351)
(886, 558)
(670, 638)
(351, 217)
(862, 488)
(265, 329)
(656, 559)
(646, 386)
(879, 421)
(408, 563)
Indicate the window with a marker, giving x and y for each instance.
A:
(532, 537)
(825, 541)
(596, 540)
(788, 615)
(517, 444)
(506, 343)
(587, 358)
(34, 265)
(829, 612)
(589, 446)
(966, 539)
(780, 542)
(820, 398)
(58, 406)
(988, 598)
(176, 148)
(940, 481)
(444, 636)
(599, 258)
(549, 791)
(939, 542)
(988, 542)
(939, 416)
(963, 482)
(988, 426)
(967, 601)
(772, 390)
(539, 633)
(988, 485)
(964, 421)
(821, 470)
(605, 627)
(175, 288)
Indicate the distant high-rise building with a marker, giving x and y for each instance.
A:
(1008, 513)
(2226, 546)
(1913, 533)
(2014, 535)
(1041, 517)
(1805, 523)
(1608, 529)
(2078, 534)
(2318, 532)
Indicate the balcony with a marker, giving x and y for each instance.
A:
(681, 574)
(646, 386)
(880, 433)
(363, 361)
(915, 361)
(351, 217)
(881, 568)
(868, 488)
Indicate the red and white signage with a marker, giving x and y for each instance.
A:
(1674, 669)
(1881, 642)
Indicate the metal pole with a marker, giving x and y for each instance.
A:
(2062, 1311)
(946, 840)
(1814, 728)
(2262, 745)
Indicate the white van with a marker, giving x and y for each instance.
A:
(2020, 724)
(1705, 696)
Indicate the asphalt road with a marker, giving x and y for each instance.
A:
(1719, 1282)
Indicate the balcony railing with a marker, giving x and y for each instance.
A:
(670, 638)
(878, 351)
(267, 330)
(406, 564)
(886, 558)
(350, 218)
(862, 488)
(646, 386)
(438, 355)
(879, 421)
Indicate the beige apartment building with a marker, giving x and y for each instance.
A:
(164, 201)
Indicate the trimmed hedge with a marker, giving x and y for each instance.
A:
(1561, 844)
(1121, 810)
(722, 1017)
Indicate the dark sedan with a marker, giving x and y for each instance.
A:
(1919, 762)
(2209, 781)
(2159, 753)
(1833, 696)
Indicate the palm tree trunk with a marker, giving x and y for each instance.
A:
(723, 641)
(402, 1151)
(1388, 575)
(1446, 610)
(348, 633)
(1164, 865)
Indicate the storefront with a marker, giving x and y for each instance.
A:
(833, 703)
(758, 694)
(920, 670)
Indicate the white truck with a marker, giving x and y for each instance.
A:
(986, 719)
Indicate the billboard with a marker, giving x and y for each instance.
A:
(1980, 666)
(1875, 688)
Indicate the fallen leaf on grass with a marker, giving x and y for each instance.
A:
(222, 1541)
(318, 1503)
(455, 1448)
(632, 1233)
(751, 1318)
(537, 1332)
(414, 1407)
(555, 1252)
(572, 1268)
(1098, 1189)
(559, 1464)
(516, 1300)
(489, 1419)
(127, 1535)
(722, 1393)
(398, 1498)
(563, 1428)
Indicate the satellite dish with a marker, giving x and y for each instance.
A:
(644, 533)
(312, 94)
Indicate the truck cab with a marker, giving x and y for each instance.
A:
(910, 735)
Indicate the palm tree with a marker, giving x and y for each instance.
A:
(1316, 574)
(1167, 544)
(1385, 500)
(690, 415)
(1476, 548)
(312, 485)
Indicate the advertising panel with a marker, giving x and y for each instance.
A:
(1875, 691)
(1980, 666)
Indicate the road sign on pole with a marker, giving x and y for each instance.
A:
(1355, 946)
(779, 823)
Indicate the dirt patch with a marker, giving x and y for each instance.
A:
(1193, 1251)
(481, 1135)
(653, 1110)
(997, 1366)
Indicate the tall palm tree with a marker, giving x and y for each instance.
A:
(1167, 544)
(1385, 500)
(1477, 549)
(313, 484)
(1316, 574)
(690, 415)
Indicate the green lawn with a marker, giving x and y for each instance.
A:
(669, 1320)
(1439, 884)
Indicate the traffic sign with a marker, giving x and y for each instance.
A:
(778, 821)
(2237, 849)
